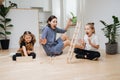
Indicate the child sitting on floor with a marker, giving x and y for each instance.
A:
(27, 41)
(90, 44)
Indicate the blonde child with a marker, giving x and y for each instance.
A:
(27, 41)
(90, 44)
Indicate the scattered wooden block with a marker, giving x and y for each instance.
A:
(24, 59)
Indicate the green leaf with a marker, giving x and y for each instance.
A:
(2, 11)
(115, 19)
(1, 33)
(2, 26)
(10, 25)
(7, 20)
(118, 25)
(7, 32)
(72, 14)
(7, 10)
(105, 24)
(74, 20)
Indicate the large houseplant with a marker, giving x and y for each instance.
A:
(111, 32)
(4, 26)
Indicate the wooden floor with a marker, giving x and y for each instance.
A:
(107, 68)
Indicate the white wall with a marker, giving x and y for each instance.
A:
(56, 10)
(69, 6)
(32, 3)
(23, 20)
(97, 10)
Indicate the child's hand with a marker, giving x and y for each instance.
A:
(82, 44)
(43, 41)
(81, 41)
(93, 45)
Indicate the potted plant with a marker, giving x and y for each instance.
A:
(4, 26)
(74, 19)
(111, 32)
